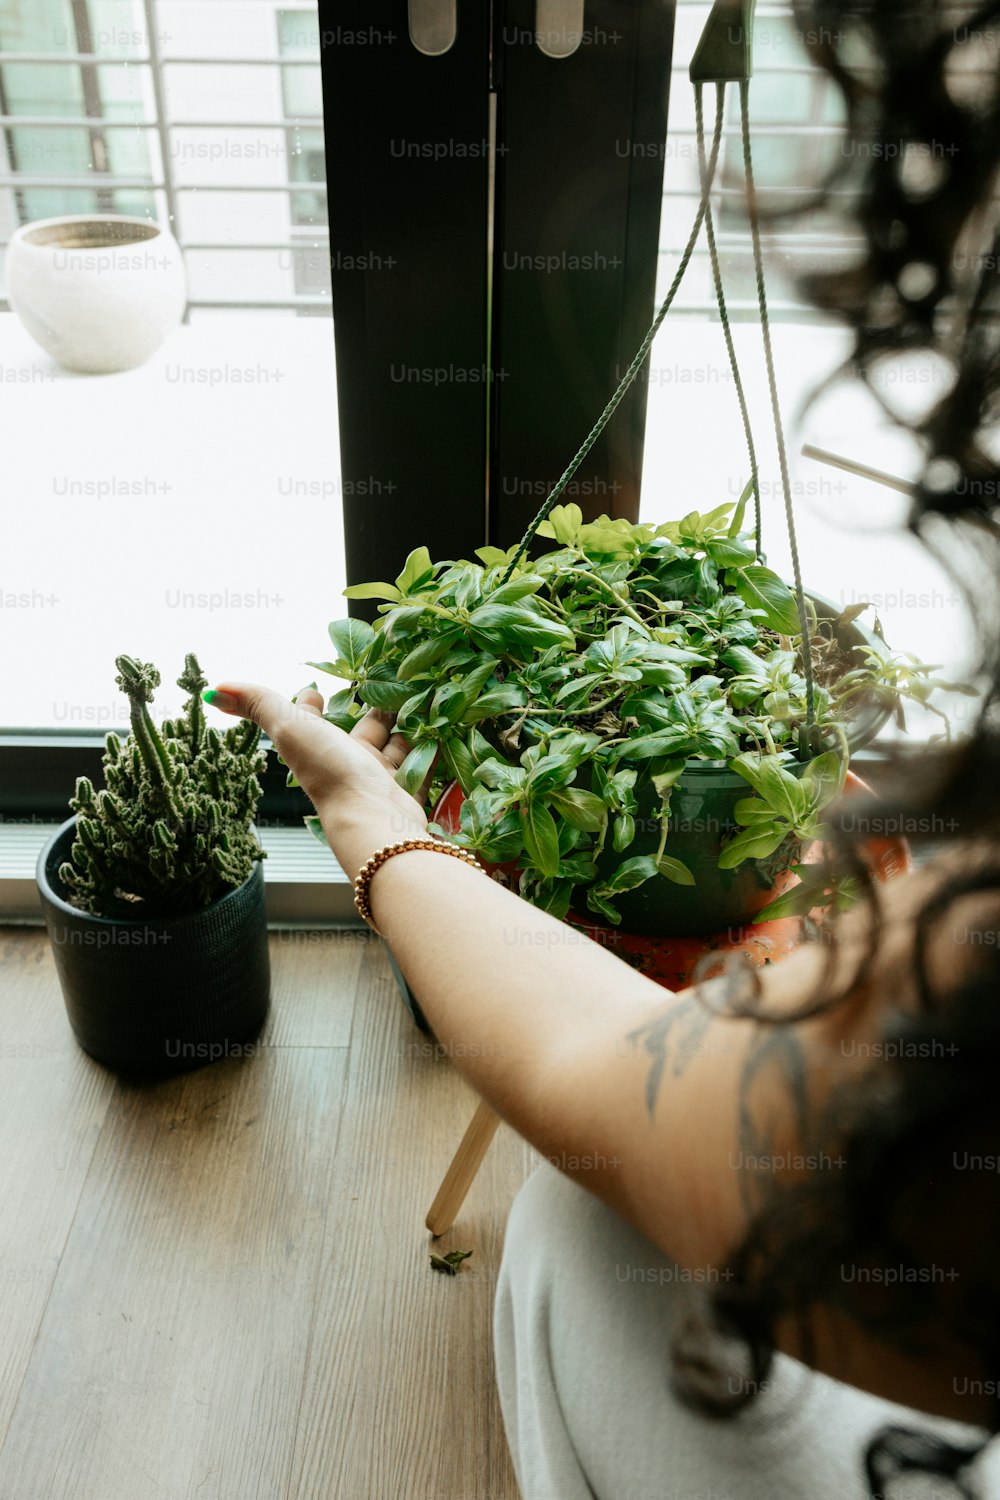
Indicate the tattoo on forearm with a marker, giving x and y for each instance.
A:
(773, 1072)
(673, 1038)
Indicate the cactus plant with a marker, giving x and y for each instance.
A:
(172, 829)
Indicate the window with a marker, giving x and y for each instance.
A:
(205, 117)
(197, 503)
(796, 114)
(168, 508)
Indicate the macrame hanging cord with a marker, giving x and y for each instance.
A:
(704, 217)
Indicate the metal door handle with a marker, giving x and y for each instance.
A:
(558, 27)
(433, 25)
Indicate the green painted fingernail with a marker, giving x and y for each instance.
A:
(216, 699)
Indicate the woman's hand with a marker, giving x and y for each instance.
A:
(349, 778)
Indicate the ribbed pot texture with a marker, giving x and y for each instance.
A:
(159, 996)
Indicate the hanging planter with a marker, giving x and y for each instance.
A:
(627, 717)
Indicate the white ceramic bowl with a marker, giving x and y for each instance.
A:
(99, 292)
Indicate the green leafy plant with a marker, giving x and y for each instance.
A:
(784, 805)
(172, 829)
(603, 667)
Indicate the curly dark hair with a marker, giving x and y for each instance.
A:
(921, 85)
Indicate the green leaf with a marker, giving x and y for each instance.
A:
(415, 767)
(576, 692)
(783, 792)
(797, 902)
(726, 553)
(556, 899)
(352, 639)
(742, 660)
(633, 872)
(597, 900)
(707, 587)
(449, 1264)
(604, 540)
(750, 810)
(456, 1257)
(516, 588)
(778, 704)
(563, 524)
(541, 837)
(449, 701)
(315, 827)
(647, 746)
(332, 667)
(459, 762)
(476, 679)
(824, 778)
(736, 525)
(499, 700)
(551, 771)
(372, 591)
(761, 589)
(497, 773)
(376, 692)
(504, 840)
(666, 779)
(755, 843)
(623, 832)
(416, 567)
(520, 621)
(425, 654)
(849, 615)
(580, 808)
(480, 747)
(339, 710)
(675, 870)
(414, 709)
(495, 557)
(402, 622)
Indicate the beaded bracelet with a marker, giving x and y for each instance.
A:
(381, 855)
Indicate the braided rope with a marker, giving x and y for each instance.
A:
(776, 413)
(637, 362)
(720, 297)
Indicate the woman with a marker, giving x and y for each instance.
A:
(791, 1204)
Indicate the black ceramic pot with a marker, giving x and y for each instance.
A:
(159, 996)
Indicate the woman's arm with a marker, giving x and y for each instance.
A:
(642, 1097)
(678, 1119)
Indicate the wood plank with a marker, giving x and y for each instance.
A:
(314, 976)
(237, 1302)
(53, 1101)
(171, 1354)
(400, 1396)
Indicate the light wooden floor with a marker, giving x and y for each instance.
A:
(217, 1287)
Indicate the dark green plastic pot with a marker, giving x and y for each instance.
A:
(159, 996)
(702, 820)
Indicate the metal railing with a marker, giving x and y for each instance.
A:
(164, 181)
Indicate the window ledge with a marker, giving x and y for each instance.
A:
(303, 883)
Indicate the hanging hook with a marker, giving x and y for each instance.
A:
(433, 25)
(559, 27)
(725, 52)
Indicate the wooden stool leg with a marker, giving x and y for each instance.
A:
(460, 1175)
